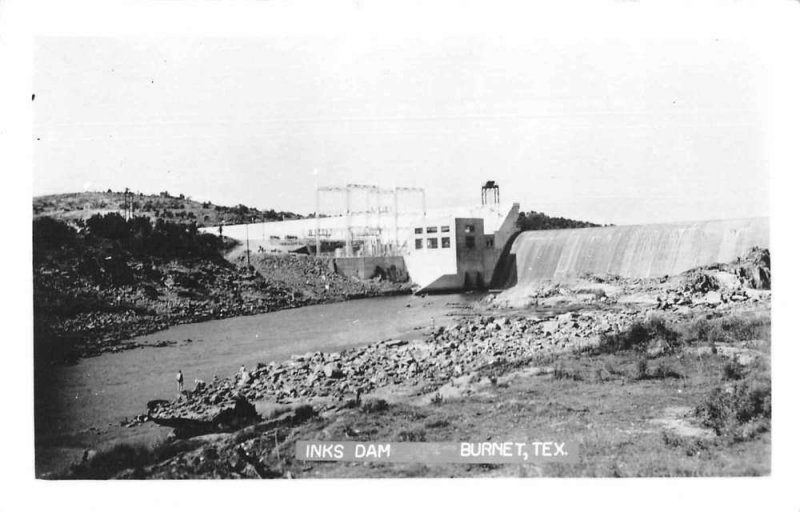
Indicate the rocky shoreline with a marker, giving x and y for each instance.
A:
(245, 426)
(499, 335)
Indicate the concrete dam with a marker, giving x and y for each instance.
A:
(652, 250)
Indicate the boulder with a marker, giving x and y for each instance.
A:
(154, 404)
(550, 326)
(333, 371)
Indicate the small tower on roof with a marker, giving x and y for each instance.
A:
(490, 193)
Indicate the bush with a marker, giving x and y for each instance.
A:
(665, 371)
(641, 369)
(732, 329)
(413, 435)
(728, 329)
(739, 412)
(374, 405)
(49, 233)
(111, 226)
(533, 221)
(562, 373)
(638, 337)
(733, 370)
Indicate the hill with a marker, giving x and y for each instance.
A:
(79, 206)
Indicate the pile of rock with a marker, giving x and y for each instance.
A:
(445, 354)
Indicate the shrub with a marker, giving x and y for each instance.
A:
(733, 370)
(111, 226)
(533, 221)
(562, 373)
(374, 405)
(739, 412)
(638, 337)
(733, 328)
(437, 423)
(665, 371)
(413, 435)
(727, 329)
(641, 369)
(303, 413)
(49, 233)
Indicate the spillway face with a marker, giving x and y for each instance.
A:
(634, 251)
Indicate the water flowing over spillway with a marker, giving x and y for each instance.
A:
(634, 251)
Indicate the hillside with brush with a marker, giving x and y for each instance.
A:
(80, 206)
(97, 286)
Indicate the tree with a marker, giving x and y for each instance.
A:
(534, 221)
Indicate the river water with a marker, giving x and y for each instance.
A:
(81, 407)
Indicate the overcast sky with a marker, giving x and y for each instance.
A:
(633, 121)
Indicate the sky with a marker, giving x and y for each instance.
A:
(636, 119)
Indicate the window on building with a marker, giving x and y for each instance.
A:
(431, 229)
(490, 242)
(433, 243)
(469, 228)
(418, 243)
(445, 242)
(445, 229)
(469, 242)
(418, 231)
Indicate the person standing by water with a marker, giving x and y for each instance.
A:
(243, 376)
(179, 379)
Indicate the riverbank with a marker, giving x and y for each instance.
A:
(86, 405)
(92, 298)
(652, 378)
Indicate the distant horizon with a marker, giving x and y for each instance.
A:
(523, 209)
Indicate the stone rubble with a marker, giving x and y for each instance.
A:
(467, 345)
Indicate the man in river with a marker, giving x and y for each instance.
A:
(179, 378)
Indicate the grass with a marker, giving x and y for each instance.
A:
(610, 403)
(728, 329)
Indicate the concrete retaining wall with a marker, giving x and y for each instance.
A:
(367, 267)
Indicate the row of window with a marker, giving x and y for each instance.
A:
(433, 243)
(468, 228)
(432, 229)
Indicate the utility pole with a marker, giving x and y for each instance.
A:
(247, 237)
(396, 222)
(316, 214)
(128, 204)
(348, 220)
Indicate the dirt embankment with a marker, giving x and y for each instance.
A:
(677, 367)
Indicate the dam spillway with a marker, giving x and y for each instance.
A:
(648, 250)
